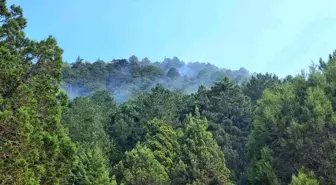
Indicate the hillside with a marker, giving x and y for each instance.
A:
(125, 78)
(167, 123)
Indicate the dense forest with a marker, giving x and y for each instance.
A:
(137, 122)
(126, 78)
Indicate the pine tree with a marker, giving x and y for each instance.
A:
(304, 179)
(87, 127)
(90, 168)
(34, 148)
(205, 163)
(228, 111)
(162, 140)
(296, 122)
(141, 168)
(257, 84)
(262, 172)
(85, 122)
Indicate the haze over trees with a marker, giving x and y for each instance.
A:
(125, 78)
(137, 122)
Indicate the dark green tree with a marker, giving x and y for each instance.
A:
(262, 172)
(86, 119)
(173, 73)
(228, 111)
(160, 103)
(126, 128)
(257, 84)
(202, 157)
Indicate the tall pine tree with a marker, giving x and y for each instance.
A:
(34, 148)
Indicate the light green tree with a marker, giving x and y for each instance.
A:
(304, 179)
(140, 167)
(162, 140)
(34, 147)
(90, 167)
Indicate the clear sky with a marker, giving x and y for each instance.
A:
(280, 36)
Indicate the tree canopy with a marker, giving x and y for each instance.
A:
(137, 122)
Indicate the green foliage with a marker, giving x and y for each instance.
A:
(304, 179)
(160, 103)
(147, 139)
(106, 105)
(34, 147)
(84, 119)
(90, 168)
(169, 156)
(257, 84)
(297, 123)
(141, 168)
(162, 139)
(262, 172)
(127, 125)
(123, 78)
(229, 112)
(203, 159)
(125, 128)
(87, 119)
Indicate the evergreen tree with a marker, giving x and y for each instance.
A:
(229, 113)
(162, 140)
(173, 73)
(90, 168)
(296, 122)
(257, 84)
(84, 120)
(304, 179)
(141, 168)
(262, 172)
(125, 127)
(34, 147)
(87, 127)
(203, 159)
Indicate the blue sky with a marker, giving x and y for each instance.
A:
(261, 35)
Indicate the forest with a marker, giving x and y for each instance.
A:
(137, 122)
(127, 78)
